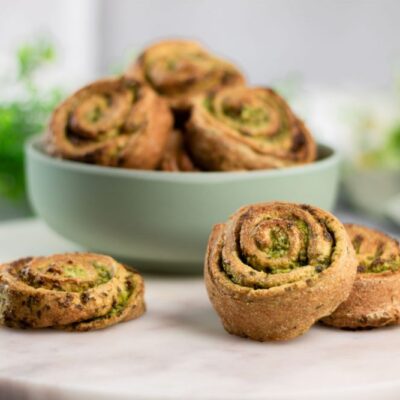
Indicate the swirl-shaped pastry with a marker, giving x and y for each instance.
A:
(175, 157)
(181, 69)
(375, 298)
(244, 128)
(274, 269)
(76, 292)
(114, 122)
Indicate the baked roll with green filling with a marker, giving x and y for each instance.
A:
(243, 128)
(73, 292)
(274, 269)
(375, 298)
(115, 122)
(178, 70)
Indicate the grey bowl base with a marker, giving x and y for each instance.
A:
(160, 267)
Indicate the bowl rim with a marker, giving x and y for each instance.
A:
(33, 151)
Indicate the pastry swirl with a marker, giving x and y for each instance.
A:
(175, 157)
(113, 122)
(76, 292)
(274, 269)
(181, 69)
(242, 128)
(375, 298)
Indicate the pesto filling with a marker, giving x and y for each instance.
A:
(119, 304)
(304, 229)
(72, 278)
(280, 244)
(171, 64)
(257, 116)
(247, 115)
(374, 263)
(94, 115)
(377, 265)
(103, 273)
(74, 271)
(207, 103)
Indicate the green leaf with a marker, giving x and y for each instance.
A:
(25, 116)
(33, 56)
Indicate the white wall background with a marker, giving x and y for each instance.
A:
(330, 42)
(322, 41)
(71, 24)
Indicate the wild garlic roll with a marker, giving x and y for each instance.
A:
(375, 298)
(113, 122)
(176, 157)
(242, 128)
(74, 292)
(178, 70)
(274, 269)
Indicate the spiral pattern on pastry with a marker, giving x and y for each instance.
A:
(113, 122)
(175, 157)
(274, 269)
(76, 292)
(244, 128)
(375, 298)
(180, 69)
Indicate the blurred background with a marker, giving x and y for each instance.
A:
(337, 62)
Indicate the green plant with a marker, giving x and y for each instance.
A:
(25, 115)
(377, 135)
(388, 155)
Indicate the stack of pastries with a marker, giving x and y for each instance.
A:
(179, 108)
(274, 269)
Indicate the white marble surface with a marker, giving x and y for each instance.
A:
(179, 350)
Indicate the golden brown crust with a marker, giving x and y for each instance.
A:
(79, 292)
(175, 157)
(244, 128)
(375, 298)
(178, 70)
(113, 122)
(274, 269)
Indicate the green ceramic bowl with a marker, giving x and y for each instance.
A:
(161, 220)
